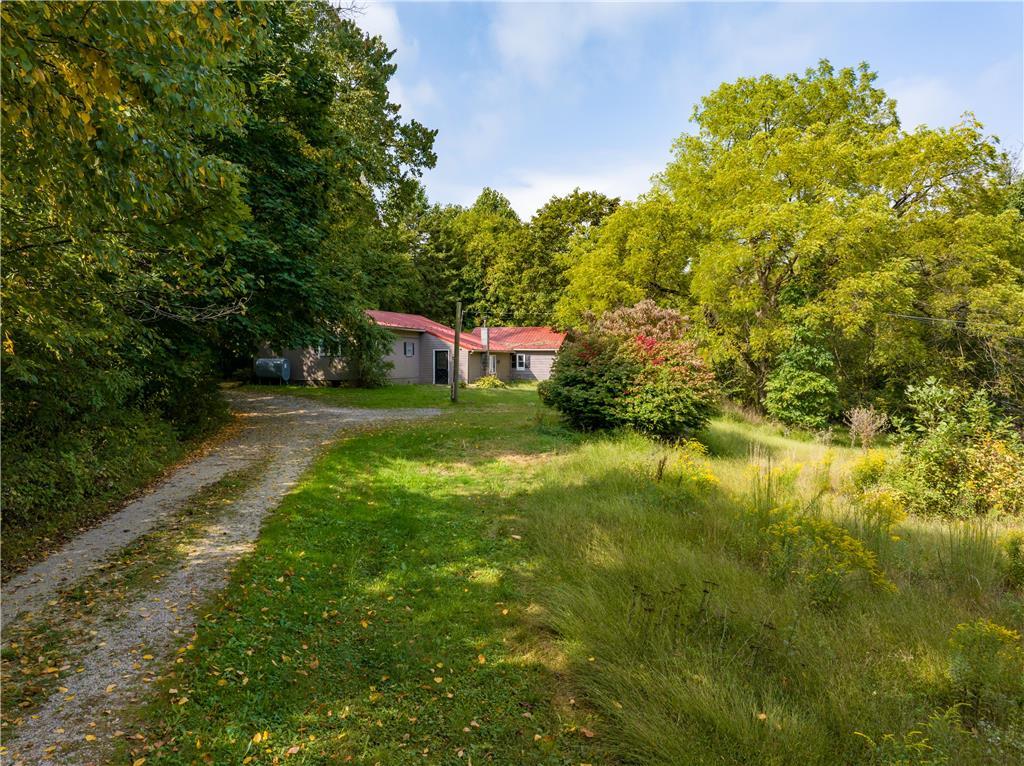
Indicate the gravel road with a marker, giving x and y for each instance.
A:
(289, 432)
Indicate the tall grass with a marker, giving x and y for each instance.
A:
(666, 604)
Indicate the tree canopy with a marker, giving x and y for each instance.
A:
(501, 267)
(800, 209)
(181, 183)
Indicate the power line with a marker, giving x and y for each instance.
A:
(956, 322)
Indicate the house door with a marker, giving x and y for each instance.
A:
(441, 367)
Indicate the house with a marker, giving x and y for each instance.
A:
(422, 352)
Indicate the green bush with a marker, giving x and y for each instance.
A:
(489, 381)
(363, 345)
(615, 375)
(801, 392)
(52, 488)
(587, 382)
(823, 558)
(1013, 546)
(958, 458)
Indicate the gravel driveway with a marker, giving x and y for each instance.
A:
(288, 432)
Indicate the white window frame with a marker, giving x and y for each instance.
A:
(492, 361)
(522, 361)
(409, 348)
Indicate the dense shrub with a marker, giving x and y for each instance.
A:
(363, 346)
(958, 458)
(616, 374)
(587, 382)
(823, 558)
(101, 461)
(801, 391)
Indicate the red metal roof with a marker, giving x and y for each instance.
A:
(503, 339)
(523, 338)
(417, 323)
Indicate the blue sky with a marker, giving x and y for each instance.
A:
(534, 99)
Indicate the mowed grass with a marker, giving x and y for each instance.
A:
(380, 619)
(488, 587)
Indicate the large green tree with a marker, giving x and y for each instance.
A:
(440, 260)
(800, 208)
(115, 211)
(501, 268)
(457, 250)
(524, 285)
(180, 180)
(322, 147)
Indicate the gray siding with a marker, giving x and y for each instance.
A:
(406, 369)
(540, 365)
(430, 344)
(309, 367)
(476, 369)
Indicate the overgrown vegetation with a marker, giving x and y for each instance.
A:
(726, 602)
(958, 459)
(46, 500)
(182, 182)
(828, 257)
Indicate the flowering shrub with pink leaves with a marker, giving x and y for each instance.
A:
(621, 373)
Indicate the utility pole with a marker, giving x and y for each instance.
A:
(458, 338)
(487, 348)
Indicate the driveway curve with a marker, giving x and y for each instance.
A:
(289, 433)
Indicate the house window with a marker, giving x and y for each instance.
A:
(494, 364)
(522, 361)
(409, 348)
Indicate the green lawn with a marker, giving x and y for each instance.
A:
(490, 588)
(382, 617)
(401, 396)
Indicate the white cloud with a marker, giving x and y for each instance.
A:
(412, 94)
(778, 39)
(925, 101)
(536, 39)
(382, 19)
(531, 189)
(415, 98)
(938, 102)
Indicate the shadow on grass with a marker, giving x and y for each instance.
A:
(438, 592)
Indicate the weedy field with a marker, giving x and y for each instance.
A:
(489, 587)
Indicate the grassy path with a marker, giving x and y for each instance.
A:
(379, 619)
